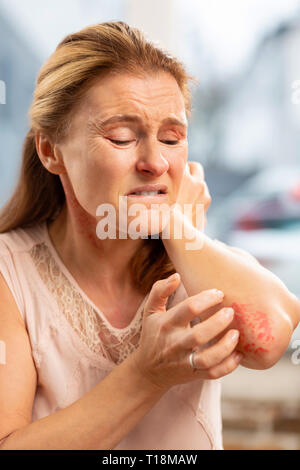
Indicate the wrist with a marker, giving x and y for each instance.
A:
(179, 229)
(138, 376)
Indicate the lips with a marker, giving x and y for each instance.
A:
(156, 196)
(160, 188)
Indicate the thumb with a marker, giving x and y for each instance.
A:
(159, 294)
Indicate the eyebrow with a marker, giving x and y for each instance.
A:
(132, 118)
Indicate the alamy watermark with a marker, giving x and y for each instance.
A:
(296, 354)
(159, 225)
(2, 92)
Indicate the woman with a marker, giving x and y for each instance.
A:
(104, 349)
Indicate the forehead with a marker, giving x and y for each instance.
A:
(151, 96)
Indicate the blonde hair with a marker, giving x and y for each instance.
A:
(62, 81)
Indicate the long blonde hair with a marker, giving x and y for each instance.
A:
(62, 81)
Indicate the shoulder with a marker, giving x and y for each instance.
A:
(20, 239)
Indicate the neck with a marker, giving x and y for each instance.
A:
(73, 234)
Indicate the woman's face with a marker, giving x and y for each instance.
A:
(107, 155)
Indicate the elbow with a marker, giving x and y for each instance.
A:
(284, 321)
(263, 358)
(267, 352)
(269, 358)
(294, 310)
(266, 331)
(288, 305)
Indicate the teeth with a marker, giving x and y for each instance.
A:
(145, 193)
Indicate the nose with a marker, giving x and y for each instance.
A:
(151, 161)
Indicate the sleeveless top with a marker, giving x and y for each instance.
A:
(74, 347)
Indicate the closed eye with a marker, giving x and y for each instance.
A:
(170, 142)
(121, 142)
(125, 142)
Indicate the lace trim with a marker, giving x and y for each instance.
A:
(114, 344)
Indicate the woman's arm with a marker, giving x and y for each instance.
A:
(98, 420)
(266, 313)
(111, 409)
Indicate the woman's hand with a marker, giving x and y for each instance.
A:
(167, 338)
(193, 190)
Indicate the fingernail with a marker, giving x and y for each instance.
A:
(172, 277)
(228, 312)
(237, 356)
(234, 335)
(219, 293)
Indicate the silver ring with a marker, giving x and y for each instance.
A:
(191, 359)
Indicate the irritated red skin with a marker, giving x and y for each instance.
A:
(255, 329)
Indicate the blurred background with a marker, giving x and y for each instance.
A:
(245, 130)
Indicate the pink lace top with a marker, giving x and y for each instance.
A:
(74, 347)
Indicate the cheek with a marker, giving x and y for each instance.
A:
(92, 182)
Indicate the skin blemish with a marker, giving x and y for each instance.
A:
(261, 350)
(255, 329)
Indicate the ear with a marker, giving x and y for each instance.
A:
(49, 154)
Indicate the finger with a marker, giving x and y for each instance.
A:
(188, 309)
(202, 188)
(225, 367)
(187, 168)
(159, 294)
(196, 169)
(215, 354)
(207, 197)
(203, 332)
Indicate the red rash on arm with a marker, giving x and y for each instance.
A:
(254, 327)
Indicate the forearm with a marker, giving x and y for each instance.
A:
(266, 312)
(98, 420)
